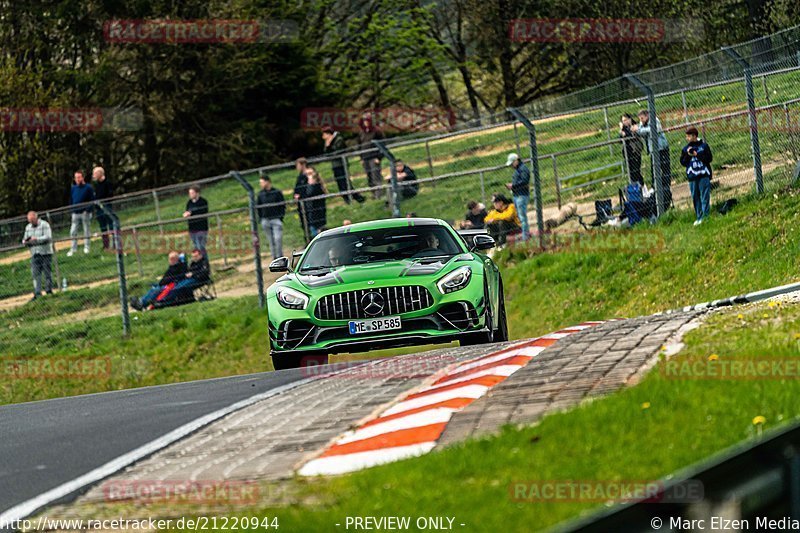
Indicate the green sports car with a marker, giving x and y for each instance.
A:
(385, 283)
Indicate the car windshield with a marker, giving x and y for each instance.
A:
(372, 246)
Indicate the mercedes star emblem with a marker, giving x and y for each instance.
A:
(372, 303)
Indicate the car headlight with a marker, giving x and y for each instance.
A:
(291, 299)
(455, 280)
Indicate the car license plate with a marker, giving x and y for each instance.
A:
(373, 325)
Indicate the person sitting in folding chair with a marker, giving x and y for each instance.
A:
(182, 292)
(176, 271)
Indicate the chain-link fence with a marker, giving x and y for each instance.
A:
(588, 147)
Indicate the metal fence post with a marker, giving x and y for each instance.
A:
(653, 141)
(55, 251)
(138, 251)
(516, 138)
(537, 181)
(222, 241)
(158, 213)
(556, 180)
(483, 187)
(251, 201)
(753, 118)
(685, 108)
(608, 133)
(123, 279)
(394, 197)
(346, 167)
(430, 159)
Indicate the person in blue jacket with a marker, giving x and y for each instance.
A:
(696, 156)
(520, 190)
(81, 197)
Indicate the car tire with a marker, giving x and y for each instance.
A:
(501, 335)
(481, 337)
(289, 361)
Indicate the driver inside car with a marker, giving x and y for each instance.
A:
(430, 246)
(337, 257)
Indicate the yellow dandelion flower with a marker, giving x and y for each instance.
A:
(713, 357)
(759, 420)
(646, 405)
(740, 316)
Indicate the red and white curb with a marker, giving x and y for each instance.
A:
(412, 426)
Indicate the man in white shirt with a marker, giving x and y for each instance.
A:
(38, 238)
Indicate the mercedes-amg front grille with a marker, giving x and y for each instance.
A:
(370, 303)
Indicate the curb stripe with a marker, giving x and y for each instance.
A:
(403, 437)
(456, 404)
(415, 420)
(514, 360)
(412, 426)
(492, 370)
(341, 464)
(486, 381)
(470, 391)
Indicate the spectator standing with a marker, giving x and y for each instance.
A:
(696, 156)
(475, 216)
(407, 183)
(520, 190)
(502, 220)
(103, 191)
(316, 212)
(632, 146)
(645, 129)
(38, 238)
(371, 156)
(300, 190)
(334, 143)
(196, 208)
(81, 196)
(271, 210)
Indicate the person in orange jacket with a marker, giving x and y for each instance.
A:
(502, 220)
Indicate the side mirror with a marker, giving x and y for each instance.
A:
(482, 242)
(280, 264)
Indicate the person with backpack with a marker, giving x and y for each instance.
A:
(696, 156)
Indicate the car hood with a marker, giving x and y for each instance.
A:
(377, 271)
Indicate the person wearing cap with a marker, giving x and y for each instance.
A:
(502, 220)
(696, 156)
(520, 190)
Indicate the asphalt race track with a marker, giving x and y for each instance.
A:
(48, 443)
